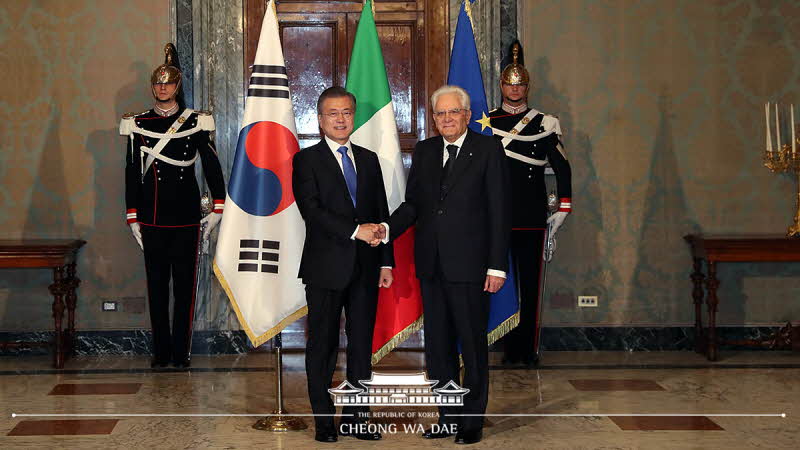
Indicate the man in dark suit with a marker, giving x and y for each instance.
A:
(339, 189)
(457, 195)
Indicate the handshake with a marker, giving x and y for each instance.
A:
(371, 233)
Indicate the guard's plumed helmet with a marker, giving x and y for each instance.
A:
(169, 71)
(515, 73)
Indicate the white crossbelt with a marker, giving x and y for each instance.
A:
(512, 135)
(508, 137)
(177, 135)
(515, 137)
(167, 159)
(155, 152)
(525, 159)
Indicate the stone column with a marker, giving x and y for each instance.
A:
(209, 35)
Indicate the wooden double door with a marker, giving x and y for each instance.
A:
(317, 39)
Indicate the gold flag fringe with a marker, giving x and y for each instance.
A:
(397, 340)
(503, 328)
(269, 334)
(497, 333)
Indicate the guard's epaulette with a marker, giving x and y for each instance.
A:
(493, 110)
(552, 115)
(131, 115)
(201, 112)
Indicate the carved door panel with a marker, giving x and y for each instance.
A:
(317, 38)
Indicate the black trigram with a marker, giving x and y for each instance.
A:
(258, 256)
(268, 81)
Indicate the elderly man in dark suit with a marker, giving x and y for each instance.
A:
(458, 198)
(339, 189)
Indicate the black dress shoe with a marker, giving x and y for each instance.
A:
(469, 436)
(531, 360)
(325, 436)
(156, 363)
(182, 363)
(510, 360)
(441, 432)
(360, 434)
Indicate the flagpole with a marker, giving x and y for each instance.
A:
(280, 420)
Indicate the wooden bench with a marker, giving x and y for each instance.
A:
(61, 256)
(729, 248)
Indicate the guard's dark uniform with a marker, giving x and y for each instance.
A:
(166, 202)
(529, 217)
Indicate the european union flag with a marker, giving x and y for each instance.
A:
(465, 68)
(465, 72)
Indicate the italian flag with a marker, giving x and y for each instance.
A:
(400, 306)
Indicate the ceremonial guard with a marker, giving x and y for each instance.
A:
(531, 140)
(163, 204)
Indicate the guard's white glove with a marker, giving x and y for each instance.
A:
(556, 219)
(211, 222)
(136, 229)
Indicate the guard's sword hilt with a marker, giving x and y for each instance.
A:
(206, 206)
(550, 243)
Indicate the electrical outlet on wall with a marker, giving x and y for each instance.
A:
(109, 305)
(589, 301)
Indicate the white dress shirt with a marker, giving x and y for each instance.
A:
(334, 146)
(458, 143)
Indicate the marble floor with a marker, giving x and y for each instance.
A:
(572, 400)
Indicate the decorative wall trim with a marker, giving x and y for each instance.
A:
(212, 342)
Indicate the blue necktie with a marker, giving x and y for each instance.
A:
(349, 173)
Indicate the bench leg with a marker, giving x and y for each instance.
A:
(72, 283)
(712, 283)
(58, 288)
(697, 295)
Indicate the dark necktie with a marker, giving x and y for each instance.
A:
(452, 151)
(349, 173)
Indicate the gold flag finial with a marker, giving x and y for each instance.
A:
(468, 10)
(372, 6)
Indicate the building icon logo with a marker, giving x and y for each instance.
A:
(398, 389)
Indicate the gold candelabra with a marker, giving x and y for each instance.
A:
(786, 159)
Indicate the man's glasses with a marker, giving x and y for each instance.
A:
(449, 112)
(337, 114)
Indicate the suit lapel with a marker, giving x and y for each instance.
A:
(463, 160)
(437, 163)
(333, 167)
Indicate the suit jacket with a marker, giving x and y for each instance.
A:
(329, 255)
(466, 228)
